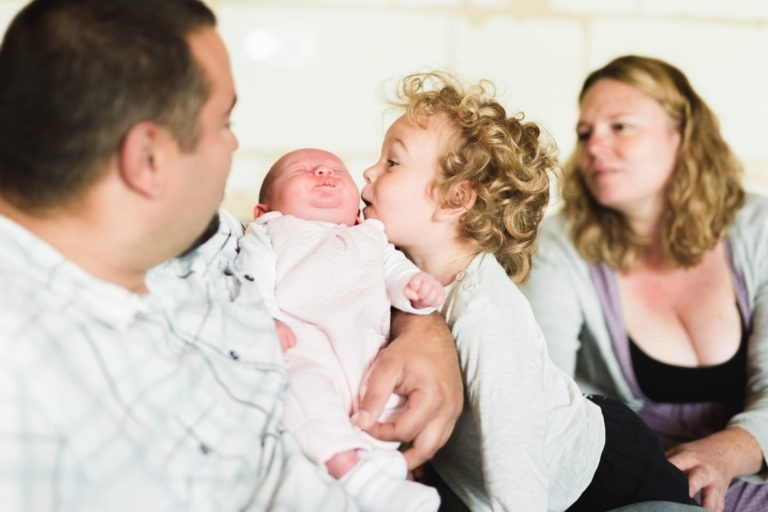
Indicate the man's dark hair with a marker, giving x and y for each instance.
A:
(76, 75)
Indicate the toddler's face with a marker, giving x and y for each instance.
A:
(314, 185)
(398, 188)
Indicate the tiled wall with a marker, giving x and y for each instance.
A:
(315, 72)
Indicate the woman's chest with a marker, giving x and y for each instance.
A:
(687, 317)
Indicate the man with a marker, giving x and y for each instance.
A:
(115, 147)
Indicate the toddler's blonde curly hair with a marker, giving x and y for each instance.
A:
(506, 160)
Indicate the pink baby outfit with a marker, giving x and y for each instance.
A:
(334, 286)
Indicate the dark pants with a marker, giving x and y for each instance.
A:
(449, 502)
(633, 467)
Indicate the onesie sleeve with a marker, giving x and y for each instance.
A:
(398, 270)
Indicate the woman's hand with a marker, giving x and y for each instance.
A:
(713, 461)
(420, 363)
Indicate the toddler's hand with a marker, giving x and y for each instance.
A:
(285, 335)
(424, 291)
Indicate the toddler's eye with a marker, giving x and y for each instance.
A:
(391, 163)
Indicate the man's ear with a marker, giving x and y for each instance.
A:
(461, 198)
(259, 210)
(142, 157)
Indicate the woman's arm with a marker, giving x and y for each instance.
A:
(420, 363)
(739, 450)
(552, 291)
(713, 461)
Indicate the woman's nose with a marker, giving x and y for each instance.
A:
(597, 143)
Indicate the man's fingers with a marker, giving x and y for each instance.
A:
(407, 425)
(381, 384)
(416, 455)
(425, 445)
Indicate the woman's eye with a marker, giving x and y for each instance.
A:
(583, 135)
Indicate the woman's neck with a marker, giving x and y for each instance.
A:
(647, 226)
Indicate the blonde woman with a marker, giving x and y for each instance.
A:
(650, 284)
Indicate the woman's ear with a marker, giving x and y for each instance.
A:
(461, 198)
(142, 157)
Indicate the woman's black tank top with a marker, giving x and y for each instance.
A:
(723, 383)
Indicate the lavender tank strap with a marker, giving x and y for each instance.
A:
(606, 286)
(740, 287)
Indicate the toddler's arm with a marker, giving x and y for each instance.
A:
(424, 291)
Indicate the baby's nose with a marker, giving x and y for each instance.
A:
(323, 171)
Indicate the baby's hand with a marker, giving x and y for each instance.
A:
(285, 335)
(424, 291)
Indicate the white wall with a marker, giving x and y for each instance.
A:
(314, 72)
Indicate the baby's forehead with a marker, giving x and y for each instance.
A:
(310, 158)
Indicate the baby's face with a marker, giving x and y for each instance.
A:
(314, 185)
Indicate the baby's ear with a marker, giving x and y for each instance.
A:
(259, 210)
(460, 198)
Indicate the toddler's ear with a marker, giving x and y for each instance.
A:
(259, 210)
(460, 198)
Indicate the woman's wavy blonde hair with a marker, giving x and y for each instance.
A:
(503, 158)
(703, 194)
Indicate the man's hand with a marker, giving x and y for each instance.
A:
(713, 461)
(420, 363)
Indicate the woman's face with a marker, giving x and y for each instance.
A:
(627, 147)
(398, 189)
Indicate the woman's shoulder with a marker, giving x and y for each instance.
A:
(754, 213)
(750, 227)
(555, 226)
(748, 237)
(555, 248)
